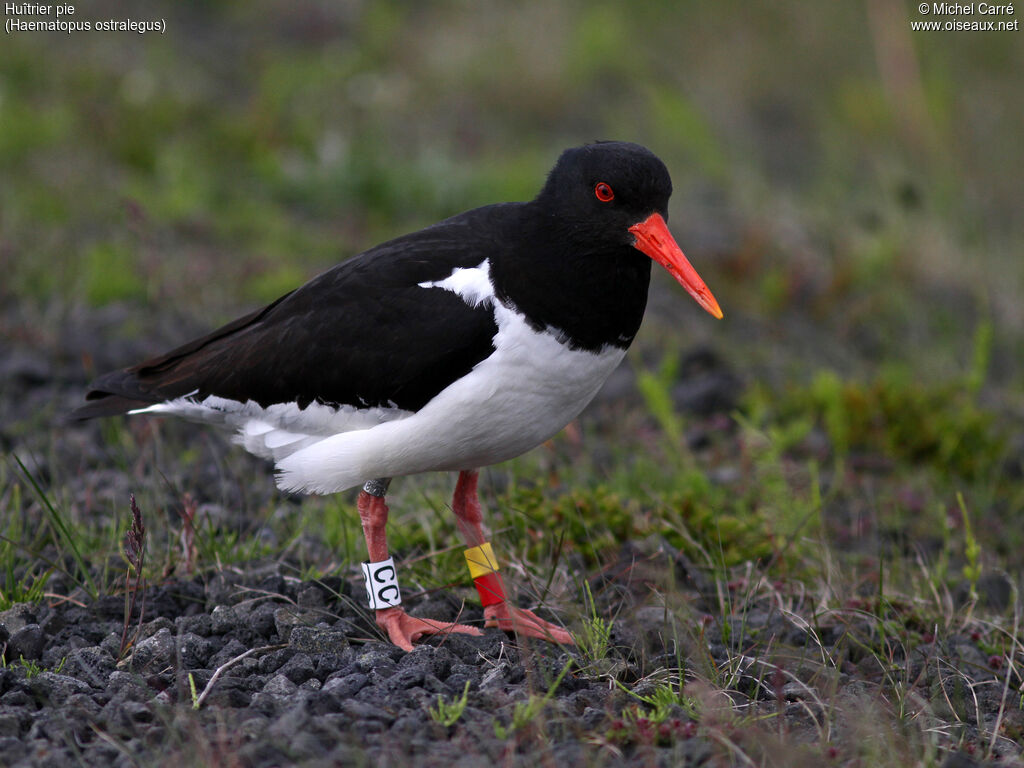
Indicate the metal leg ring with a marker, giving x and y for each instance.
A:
(377, 487)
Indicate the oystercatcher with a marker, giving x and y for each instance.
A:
(461, 345)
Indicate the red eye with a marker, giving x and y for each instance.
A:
(603, 192)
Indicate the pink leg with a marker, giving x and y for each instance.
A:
(402, 628)
(469, 519)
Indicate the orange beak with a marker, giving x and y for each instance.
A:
(654, 240)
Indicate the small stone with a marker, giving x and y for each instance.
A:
(311, 596)
(92, 664)
(289, 617)
(223, 619)
(127, 686)
(194, 651)
(328, 663)
(279, 685)
(17, 616)
(261, 620)
(52, 622)
(433, 685)
(153, 654)
(406, 678)
(298, 669)
(271, 662)
(347, 686)
(112, 644)
(158, 624)
(376, 660)
(316, 640)
(201, 624)
(429, 660)
(228, 693)
(231, 650)
(55, 688)
(26, 643)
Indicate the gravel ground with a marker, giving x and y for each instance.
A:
(286, 671)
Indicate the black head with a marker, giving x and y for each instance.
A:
(608, 187)
(610, 199)
(580, 256)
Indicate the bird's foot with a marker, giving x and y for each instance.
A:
(525, 623)
(403, 629)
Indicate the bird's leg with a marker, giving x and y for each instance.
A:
(484, 569)
(381, 577)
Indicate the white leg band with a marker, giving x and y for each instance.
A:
(382, 584)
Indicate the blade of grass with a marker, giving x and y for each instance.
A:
(61, 529)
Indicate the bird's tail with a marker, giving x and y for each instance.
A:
(330, 465)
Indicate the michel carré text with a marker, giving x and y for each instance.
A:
(971, 9)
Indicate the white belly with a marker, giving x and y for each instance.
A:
(524, 393)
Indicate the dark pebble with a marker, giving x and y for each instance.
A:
(26, 643)
(92, 664)
(347, 686)
(299, 668)
(317, 640)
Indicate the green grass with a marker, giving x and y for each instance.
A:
(447, 713)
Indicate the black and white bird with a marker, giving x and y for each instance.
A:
(455, 347)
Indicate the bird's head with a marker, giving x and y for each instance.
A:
(617, 192)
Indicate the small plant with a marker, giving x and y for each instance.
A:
(656, 388)
(192, 691)
(31, 667)
(62, 535)
(525, 712)
(635, 728)
(448, 713)
(594, 639)
(30, 588)
(972, 550)
(135, 553)
(662, 700)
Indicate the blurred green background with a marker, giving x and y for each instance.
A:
(819, 152)
(848, 188)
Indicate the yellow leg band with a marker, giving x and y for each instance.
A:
(481, 560)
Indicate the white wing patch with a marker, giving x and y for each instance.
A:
(471, 284)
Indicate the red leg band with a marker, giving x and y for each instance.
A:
(490, 589)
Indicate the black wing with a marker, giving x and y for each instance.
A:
(363, 334)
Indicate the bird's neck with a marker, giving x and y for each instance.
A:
(593, 297)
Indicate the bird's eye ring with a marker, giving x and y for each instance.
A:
(603, 192)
